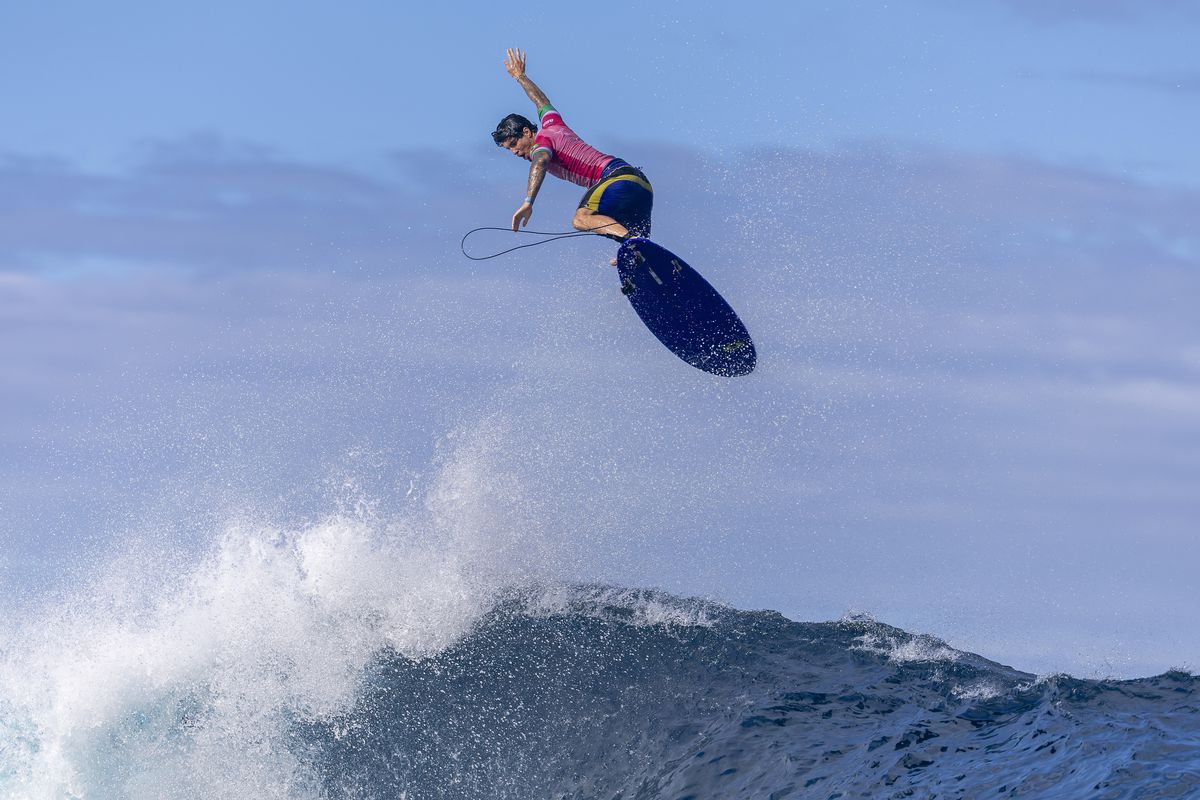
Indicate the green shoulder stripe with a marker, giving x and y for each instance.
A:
(544, 109)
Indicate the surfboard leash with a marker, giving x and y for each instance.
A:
(555, 235)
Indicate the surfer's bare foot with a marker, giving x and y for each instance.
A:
(613, 262)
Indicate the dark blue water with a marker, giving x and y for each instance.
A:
(351, 679)
(603, 699)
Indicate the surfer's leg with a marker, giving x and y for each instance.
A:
(588, 220)
(625, 198)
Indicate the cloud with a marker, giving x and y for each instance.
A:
(211, 206)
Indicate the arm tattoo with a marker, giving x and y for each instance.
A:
(537, 173)
(535, 94)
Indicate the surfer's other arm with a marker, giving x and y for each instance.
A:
(514, 63)
(537, 174)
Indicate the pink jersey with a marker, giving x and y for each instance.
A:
(571, 158)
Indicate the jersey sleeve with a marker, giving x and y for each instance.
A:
(548, 119)
(542, 143)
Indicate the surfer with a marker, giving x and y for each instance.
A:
(618, 200)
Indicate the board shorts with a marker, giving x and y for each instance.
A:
(624, 194)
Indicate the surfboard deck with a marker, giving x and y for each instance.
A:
(682, 310)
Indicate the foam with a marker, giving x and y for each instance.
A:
(905, 648)
(638, 607)
(189, 683)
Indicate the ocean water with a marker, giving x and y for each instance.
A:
(354, 659)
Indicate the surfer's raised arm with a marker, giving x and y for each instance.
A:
(514, 63)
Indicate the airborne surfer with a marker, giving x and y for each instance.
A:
(618, 200)
(679, 307)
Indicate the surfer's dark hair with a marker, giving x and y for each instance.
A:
(511, 127)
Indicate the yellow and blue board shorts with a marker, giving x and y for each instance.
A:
(624, 194)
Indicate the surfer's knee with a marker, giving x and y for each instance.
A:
(581, 221)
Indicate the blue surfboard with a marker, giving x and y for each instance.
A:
(682, 310)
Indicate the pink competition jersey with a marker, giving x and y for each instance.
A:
(571, 158)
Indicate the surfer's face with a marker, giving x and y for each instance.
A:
(522, 145)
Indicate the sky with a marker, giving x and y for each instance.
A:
(962, 235)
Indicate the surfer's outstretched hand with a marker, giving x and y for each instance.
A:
(514, 62)
(521, 218)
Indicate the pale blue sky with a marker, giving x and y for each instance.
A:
(1083, 83)
(962, 235)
